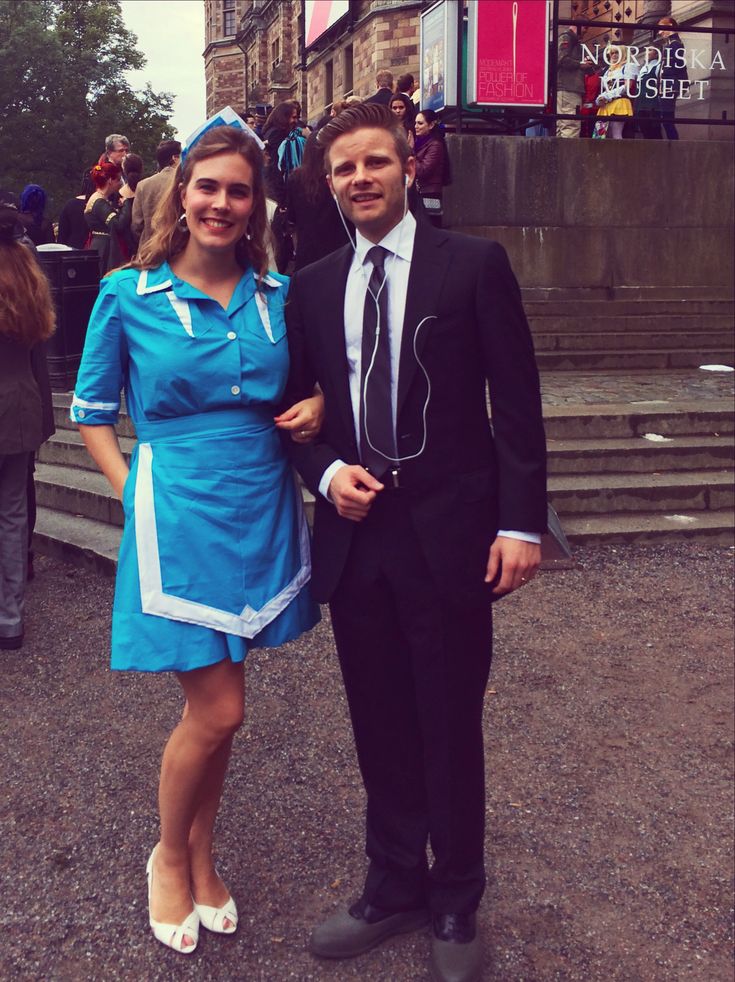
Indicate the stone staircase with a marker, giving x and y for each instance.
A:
(608, 480)
(631, 335)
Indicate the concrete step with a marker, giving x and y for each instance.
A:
(80, 541)
(639, 455)
(573, 321)
(686, 491)
(77, 492)
(713, 527)
(628, 294)
(623, 420)
(67, 449)
(634, 340)
(643, 359)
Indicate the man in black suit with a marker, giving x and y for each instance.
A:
(384, 82)
(424, 513)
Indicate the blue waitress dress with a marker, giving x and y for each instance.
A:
(214, 557)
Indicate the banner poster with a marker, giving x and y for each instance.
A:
(320, 15)
(438, 56)
(508, 52)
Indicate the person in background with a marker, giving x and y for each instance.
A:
(592, 85)
(646, 107)
(405, 85)
(278, 126)
(432, 163)
(614, 103)
(310, 209)
(26, 319)
(673, 74)
(571, 67)
(73, 230)
(384, 82)
(151, 189)
(106, 220)
(117, 147)
(194, 333)
(398, 108)
(32, 206)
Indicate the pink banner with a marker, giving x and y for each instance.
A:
(509, 52)
(319, 15)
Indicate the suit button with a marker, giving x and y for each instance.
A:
(231, 335)
(235, 390)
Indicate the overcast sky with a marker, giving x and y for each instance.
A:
(171, 36)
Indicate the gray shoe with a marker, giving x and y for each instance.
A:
(456, 949)
(352, 932)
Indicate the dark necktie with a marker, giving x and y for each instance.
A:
(377, 438)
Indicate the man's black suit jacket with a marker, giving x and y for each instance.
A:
(472, 478)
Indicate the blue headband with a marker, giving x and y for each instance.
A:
(225, 117)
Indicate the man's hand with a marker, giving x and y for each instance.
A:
(353, 490)
(517, 561)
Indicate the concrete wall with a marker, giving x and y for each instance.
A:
(592, 214)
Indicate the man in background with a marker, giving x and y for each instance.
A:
(571, 67)
(384, 82)
(149, 191)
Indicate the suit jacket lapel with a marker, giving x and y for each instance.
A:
(332, 305)
(429, 264)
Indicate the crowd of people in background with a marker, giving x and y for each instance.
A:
(621, 95)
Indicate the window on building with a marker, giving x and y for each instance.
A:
(328, 82)
(229, 25)
(276, 53)
(347, 73)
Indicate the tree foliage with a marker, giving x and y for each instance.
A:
(63, 90)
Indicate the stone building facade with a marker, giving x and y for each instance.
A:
(265, 62)
(223, 69)
(254, 50)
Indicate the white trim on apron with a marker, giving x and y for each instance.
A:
(154, 601)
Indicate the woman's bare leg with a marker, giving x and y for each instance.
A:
(200, 742)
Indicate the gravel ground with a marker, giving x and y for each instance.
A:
(609, 733)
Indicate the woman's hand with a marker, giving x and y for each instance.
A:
(304, 419)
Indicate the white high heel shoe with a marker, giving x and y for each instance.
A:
(213, 918)
(172, 935)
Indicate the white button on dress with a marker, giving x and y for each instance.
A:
(231, 335)
(235, 390)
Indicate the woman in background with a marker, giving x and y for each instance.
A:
(432, 163)
(106, 220)
(26, 318)
(398, 108)
(614, 103)
(311, 210)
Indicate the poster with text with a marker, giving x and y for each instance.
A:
(508, 51)
(438, 65)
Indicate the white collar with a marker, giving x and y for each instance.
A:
(399, 241)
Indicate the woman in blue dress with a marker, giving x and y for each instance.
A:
(214, 557)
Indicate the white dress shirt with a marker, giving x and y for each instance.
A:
(399, 242)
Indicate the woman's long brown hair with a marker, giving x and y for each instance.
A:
(26, 310)
(169, 238)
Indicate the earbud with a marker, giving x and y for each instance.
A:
(334, 196)
(405, 179)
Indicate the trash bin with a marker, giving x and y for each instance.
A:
(74, 278)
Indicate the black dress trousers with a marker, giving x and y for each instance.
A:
(415, 672)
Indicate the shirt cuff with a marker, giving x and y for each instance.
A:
(533, 537)
(327, 477)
